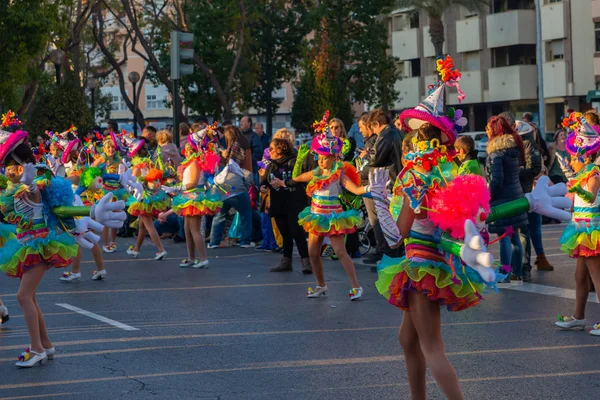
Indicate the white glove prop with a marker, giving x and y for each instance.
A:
(137, 189)
(172, 189)
(108, 213)
(84, 237)
(29, 174)
(126, 177)
(549, 201)
(475, 255)
(122, 168)
(377, 187)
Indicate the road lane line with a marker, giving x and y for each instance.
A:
(128, 260)
(549, 291)
(98, 317)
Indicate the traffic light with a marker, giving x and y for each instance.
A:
(182, 48)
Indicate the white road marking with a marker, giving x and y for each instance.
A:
(98, 317)
(549, 291)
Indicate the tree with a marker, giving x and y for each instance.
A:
(57, 107)
(278, 34)
(435, 10)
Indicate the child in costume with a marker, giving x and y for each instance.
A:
(467, 155)
(325, 217)
(109, 161)
(194, 197)
(147, 207)
(439, 269)
(581, 237)
(37, 209)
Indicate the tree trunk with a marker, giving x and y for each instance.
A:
(436, 32)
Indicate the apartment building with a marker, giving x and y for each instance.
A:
(496, 53)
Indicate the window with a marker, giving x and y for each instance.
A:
(555, 50)
(404, 22)
(597, 32)
(279, 93)
(523, 54)
(156, 97)
(415, 67)
(118, 104)
(471, 61)
(152, 103)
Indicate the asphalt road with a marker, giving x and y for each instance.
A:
(236, 331)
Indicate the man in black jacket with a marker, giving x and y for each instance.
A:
(255, 145)
(387, 154)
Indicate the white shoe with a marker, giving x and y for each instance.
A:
(213, 246)
(321, 291)
(99, 275)
(355, 293)
(3, 314)
(187, 263)
(200, 264)
(30, 358)
(595, 331)
(108, 249)
(248, 246)
(570, 323)
(161, 255)
(50, 353)
(132, 252)
(70, 276)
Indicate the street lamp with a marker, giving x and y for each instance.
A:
(93, 85)
(134, 78)
(57, 57)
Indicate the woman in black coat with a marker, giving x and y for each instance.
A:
(506, 154)
(286, 204)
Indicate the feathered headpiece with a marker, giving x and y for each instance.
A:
(10, 120)
(572, 121)
(324, 143)
(431, 110)
(205, 139)
(584, 140)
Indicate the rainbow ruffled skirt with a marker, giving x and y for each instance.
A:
(25, 250)
(427, 271)
(581, 238)
(325, 217)
(151, 204)
(197, 202)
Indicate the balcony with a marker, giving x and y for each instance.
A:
(511, 28)
(408, 93)
(555, 79)
(428, 50)
(595, 8)
(553, 21)
(470, 83)
(467, 35)
(404, 44)
(515, 82)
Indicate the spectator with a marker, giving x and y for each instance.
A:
(167, 149)
(237, 149)
(557, 151)
(237, 185)
(202, 123)
(265, 138)
(355, 133)
(112, 125)
(286, 204)
(149, 132)
(387, 154)
(184, 131)
(286, 134)
(467, 156)
(506, 154)
(539, 140)
(255, 145)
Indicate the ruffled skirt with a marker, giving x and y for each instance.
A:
(151, 205)
(335, 223)
(581, 239)
(42, 247)
(196, 202)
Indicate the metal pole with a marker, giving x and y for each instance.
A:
(176, 111)
(134, 109)
(540, 69)
(94, 105)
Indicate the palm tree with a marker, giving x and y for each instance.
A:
(435, 9)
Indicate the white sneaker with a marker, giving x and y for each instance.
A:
(321, 291)
(200, 264)
(355, 293)
(50, 353)
(213, 246)
(108, 249)
(132, 252)
(595, 331)
(30, 358)
(99, 275)
(569, 323)
(187, 263)
(3, 314)
(248, 246)
(70, 276)
(161, 255)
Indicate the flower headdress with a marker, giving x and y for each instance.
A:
(205, 139)
(584, 140)
(572, 121)
(10, 120)
(324, 143)
(431, 110)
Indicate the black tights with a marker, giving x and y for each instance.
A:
(291, 232)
